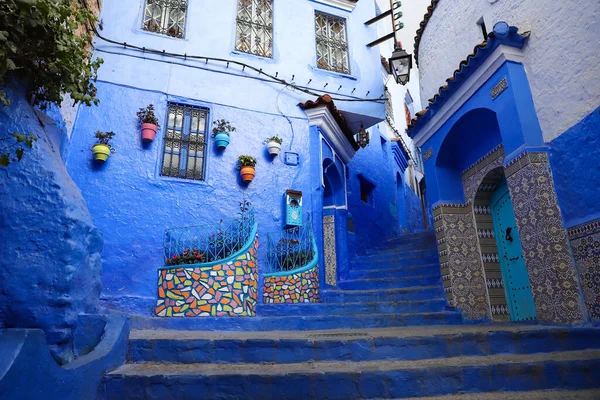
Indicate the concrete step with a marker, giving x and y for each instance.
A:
(360, 264)
(390, 283)
(407, 253)
(379, 295)
(409, 343)
(290, 323)
(428, 257)
(389, 271)
(593, 394)
(352, 380)
(393, 307)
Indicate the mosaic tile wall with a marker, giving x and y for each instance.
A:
(329, 249)
(440, 234)
(479, 182)
(228, 289)
(544, 239)
(585, 242)
(294, 288)
(461, 260)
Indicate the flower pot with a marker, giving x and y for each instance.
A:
(273, 147)
(222, 139)
(101, 152)
(148, 132)
(248, 173)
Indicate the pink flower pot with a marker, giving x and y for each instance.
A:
(148, 132)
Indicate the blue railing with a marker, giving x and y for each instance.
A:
(204, 244)
(290, 249)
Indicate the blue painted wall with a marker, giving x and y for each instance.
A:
(132, 204)
(50, 250)
(483, 129)
(576, 170)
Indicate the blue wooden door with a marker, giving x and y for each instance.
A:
(512, 263)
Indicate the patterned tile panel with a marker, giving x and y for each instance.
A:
(228, 289)
(329, 250)
(473, 177)
(585, 242)
(464, 262)
(293, 288)
(544, 239)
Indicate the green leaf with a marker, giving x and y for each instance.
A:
(19, 154)
(20, 137)
(4, 160)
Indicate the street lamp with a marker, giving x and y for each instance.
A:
(363, 137)
(400, 64)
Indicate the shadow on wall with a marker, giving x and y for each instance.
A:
(50, 265)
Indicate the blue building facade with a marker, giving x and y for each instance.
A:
(221, 62)
(508, 237)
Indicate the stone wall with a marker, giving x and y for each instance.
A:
(50, 264)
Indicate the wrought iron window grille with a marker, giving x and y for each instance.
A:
(208, 243)
(290, 249)
(166, 17)
(331, 43)
(254, 27)
(184, 153)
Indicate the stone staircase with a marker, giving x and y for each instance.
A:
(385, 332)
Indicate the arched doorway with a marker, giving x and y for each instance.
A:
(508, 289)
(334, 214)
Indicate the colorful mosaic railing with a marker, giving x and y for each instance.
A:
(290, 249)
(210, 274)
(208, 243)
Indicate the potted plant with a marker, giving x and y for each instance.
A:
(274, 145)
(149, 122)
(102, 149)
(246, 165)
(221, 131)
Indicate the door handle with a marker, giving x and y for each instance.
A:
(508, 235)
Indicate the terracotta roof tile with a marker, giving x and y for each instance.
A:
(326, 101)
(422, 26)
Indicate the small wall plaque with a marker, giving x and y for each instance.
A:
(291, 159)
(427, 155)
(499, 88)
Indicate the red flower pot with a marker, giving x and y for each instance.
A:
(148, 132)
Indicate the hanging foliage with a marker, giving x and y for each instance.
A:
(43, 46)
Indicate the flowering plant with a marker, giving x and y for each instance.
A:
(193, 256)
(147, 116)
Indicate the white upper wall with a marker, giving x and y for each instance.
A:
(562, 56)
(210, 31)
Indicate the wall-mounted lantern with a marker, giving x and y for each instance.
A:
(363, 138)
(293, 208)
(400, 65)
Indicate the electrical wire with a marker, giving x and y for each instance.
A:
(273, 79)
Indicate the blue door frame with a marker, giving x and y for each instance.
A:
(512, 264)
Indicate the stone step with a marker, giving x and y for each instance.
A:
(409, 343)
(393, 307)
(360, 264)
(427, 257)
(289, 323)
(593, 394)
(393, 272)
(407, 253)
(352, 380)
(390, 283)
(379, 295)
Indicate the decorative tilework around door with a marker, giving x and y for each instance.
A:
(585, 242)
(544, 239)
(329, 250)
(462, 259)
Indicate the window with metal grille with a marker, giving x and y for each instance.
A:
(184, 153)
(332, 43)
(254, 31)
(166, 17)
